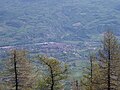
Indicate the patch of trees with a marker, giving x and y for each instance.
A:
(103, 72)
(21, 74)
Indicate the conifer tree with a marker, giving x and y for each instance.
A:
(109, 60)
(19, 71)
(87, 76)
(105, 74)
(91, 75)
(54, 73)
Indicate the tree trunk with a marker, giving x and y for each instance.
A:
(52, 77)
(109, 73)
(15, 71)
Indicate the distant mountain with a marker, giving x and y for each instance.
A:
(79, 23)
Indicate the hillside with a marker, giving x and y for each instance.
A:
(77, 23)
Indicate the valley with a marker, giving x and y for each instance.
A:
(66, 29)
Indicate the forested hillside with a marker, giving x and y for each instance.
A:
(28, 21)
(78, 24)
